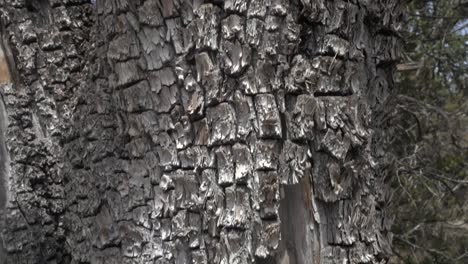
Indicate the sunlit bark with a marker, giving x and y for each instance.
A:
(179, 131)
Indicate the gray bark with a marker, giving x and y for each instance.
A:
(189, 131)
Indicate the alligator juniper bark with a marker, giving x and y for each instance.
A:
(190, 131)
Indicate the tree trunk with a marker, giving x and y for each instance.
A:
(190, 131)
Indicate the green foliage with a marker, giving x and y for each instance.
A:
(436, 41)
(431, 144)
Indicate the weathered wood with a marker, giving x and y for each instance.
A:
(188, 131)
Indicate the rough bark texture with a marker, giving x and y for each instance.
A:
(189, 131)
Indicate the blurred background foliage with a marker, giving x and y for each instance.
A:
(430, 140)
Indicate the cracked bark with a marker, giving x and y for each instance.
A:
(180, 131)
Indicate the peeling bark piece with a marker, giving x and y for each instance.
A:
(188, 36)
(232, 27)
(196, 157)
(132, 239)
(158, 79)
(269, 123)
(258, 8)
(185, 187)
(238, 6)
(168, 8)
(209, 76)
(166, 229)
(199, 256)
(29, 65)
(64, 21)
(238, 249)
(206, 24)
(236, 214)
(334, 45)
(236, 57)
(156, 52)
(195, 223)
(331, 85)
(335, 109)
(157, 210)
(136, 98)
(388, 49)
(264, 73)
(326, 171)
(273, 23)
(152, 250)
(299, 77)
(268, 194)
(225, 165)
(132, 21)
(302, 119)
(336, 174)
(167, 151)
(53, 42)
(243, 163)
(320, 116)
(348, 233)
(174, 34)
(166, 99)
(271, 44)
(204, 66)
(28, 34)
(281, 69)
(186, 225)
(267, 240)
(358, 118)
(154, 170)
(292, 32)
(278, 7)
(158, 57)
(107, 232)
(167, 182)
(150, 14)
(213, 196)
(137, 170)
(183, 134)
(127, 73)
(222, 123)
(336, 78)
(266, 155)
(248, 82)
(141, 217)
(245, 115)
(123, 48)
(201, 132)
(336, 254)
(254, 31)
(293, 162)
(336, 144)
(169, 208)
(154, 123)
(339, 17)
(192, 97)
(150, 38)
